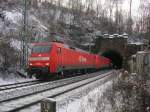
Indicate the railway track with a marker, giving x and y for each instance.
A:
(32, 95)
(17, 85)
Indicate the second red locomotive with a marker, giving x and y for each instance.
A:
(54, 58)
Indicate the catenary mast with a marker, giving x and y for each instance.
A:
(24, 52)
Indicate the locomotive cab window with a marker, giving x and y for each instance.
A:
(59, 50)
(41, 49)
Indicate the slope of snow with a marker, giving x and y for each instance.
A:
(13, 16)
(16, 44)
(89, 103)
(137, 43)
(39, 23)
(11, 24)
(2, 82)
(11, 78)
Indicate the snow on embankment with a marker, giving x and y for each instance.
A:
(89, 98)
(126, 93)
(16, 44)
(11, 24)
(12, 16)
(92, 102)
(9, 78)
(13, 20)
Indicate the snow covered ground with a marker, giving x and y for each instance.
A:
(91, 97)
(10, 78)
(94, 101)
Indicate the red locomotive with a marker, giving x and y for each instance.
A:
(55, 58)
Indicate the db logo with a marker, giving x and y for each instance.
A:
(82, 59)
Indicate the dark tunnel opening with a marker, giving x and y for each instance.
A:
(115, 57)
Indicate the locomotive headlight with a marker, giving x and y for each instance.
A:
(47, 64)
(31, 64)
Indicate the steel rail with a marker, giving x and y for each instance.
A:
(6, 85)
(18, 85)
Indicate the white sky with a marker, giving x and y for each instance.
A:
(126, 5)
(135, 6)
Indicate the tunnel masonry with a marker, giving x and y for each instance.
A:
(119, 46)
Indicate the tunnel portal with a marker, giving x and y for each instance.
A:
(115, 57)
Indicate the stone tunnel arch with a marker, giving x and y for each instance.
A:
(115, 57)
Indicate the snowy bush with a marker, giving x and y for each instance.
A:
(129, 94)
(9, 56)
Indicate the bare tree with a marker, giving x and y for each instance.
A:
(144, 21)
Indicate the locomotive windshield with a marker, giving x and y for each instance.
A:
(41, 49)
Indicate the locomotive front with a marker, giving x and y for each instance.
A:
(39, 60)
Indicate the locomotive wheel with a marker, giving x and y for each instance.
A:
(43, 76)
(29, 74)
(38, 76)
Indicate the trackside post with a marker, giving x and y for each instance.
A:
(48, 105)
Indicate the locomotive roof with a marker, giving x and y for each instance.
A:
(62, 45)
(70, 47)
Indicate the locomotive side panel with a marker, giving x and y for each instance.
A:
(98, 62)
(72, 59)
(55, 59)
(105, 62)
(87, 60)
